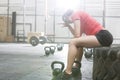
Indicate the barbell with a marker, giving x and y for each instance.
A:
(42, 39)
(34, 41)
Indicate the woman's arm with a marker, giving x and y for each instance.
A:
(77, 28)
(71, 29)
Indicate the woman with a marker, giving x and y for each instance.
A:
(96, 36)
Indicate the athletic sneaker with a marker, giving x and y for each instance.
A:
(76, 70)
(64, 76)
(76, 73)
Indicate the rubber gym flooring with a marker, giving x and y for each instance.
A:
(25, 62)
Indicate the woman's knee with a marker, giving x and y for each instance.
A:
(78, 42)
(72, 42)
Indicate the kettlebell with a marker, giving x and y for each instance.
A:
(59, 47)
(88, 52)
(52, 49)
(47, 50)
(57, 71)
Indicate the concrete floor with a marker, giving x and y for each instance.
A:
(25, 62)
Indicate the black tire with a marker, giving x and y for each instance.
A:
(106, 64)
(34, 41)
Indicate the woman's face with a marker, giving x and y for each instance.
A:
(68, 20)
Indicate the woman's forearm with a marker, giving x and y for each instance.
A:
(71, 29)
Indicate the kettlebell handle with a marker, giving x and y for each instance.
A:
(57, 62)
(46, 47)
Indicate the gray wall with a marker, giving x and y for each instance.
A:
(33, 12)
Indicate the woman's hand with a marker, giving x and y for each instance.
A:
(64, 24)
(68, 26)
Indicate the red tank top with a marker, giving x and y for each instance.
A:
(89, 25)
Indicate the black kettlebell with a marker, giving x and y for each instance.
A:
(57, 71)
(76, 70)
(88, 52)
(52, 49)
(47, 50)
(59, 47)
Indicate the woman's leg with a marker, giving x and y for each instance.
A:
(79, 54)
(87, 41)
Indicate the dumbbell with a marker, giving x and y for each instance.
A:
(52, 49)
(34, 41)
(76, 70)
(88, 52)
(59, 47)
(47, 50)
(57, 70)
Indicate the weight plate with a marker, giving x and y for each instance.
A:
(42, 40)
(34, 41)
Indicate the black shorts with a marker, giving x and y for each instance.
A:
(104, 37)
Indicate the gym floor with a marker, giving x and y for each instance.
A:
(25, 62)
